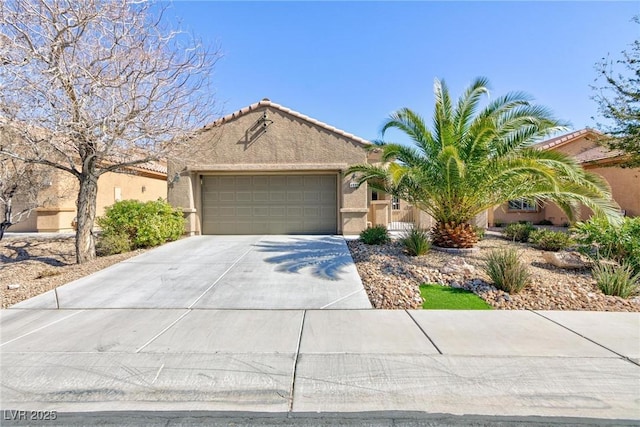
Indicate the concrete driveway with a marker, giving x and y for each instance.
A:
(223, 272)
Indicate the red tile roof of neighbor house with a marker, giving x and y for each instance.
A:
(267, 103)
(158, 166)
(567, 138)
(591, 155)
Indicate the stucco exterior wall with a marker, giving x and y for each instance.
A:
(625, 186)
(502, 214)
(58, 202)
(287, 145)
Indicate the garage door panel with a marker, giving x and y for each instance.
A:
(244, 211)
(277, 196)
(295, 196)
(269, 204)
(295, 211)
(227, 196)
(295, 181)
(277, 212)
(260, 196)
(262, 211)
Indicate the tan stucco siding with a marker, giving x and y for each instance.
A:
(288, 145)
(502, 214)
(58, 207)
(575, 147)
(129, 187)
(625, 186)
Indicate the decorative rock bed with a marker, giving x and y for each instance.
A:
(392, 279)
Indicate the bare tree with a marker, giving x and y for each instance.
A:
(22, 183)
(108, 84)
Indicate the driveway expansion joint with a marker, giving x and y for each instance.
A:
(172, 324)
(221, 276)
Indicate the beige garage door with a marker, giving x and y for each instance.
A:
(269, 204)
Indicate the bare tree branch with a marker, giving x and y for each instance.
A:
(98, 85)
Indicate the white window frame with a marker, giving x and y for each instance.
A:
(395, 203)
(522, 205)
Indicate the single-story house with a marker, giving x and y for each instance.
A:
(144, 182)
(267, 169)
(584, 147)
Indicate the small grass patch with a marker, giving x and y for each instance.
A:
(438, 297)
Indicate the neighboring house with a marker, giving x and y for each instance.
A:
(267, 169)
(58, 210)
(583, 145)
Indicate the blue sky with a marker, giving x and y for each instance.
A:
(350, 64)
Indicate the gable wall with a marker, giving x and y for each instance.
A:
(289, 145)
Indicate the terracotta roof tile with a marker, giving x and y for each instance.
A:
(267, 103)
(565, 139)
(595, 154)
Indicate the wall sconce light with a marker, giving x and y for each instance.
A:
(265, 122)
(144, 188)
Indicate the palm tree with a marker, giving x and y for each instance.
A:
(475, 158)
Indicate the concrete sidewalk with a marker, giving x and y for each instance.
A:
(317, 367)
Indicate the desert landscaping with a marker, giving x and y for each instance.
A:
(36, 264)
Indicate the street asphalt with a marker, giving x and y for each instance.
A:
(142, 344)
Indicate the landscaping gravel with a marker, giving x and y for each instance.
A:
(32, 265)
(392, 278)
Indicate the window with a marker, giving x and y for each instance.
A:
(374, 195)
(395, 203)
(527, 205)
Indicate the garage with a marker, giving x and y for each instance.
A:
(270, 204)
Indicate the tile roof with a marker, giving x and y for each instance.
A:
(594, 154)
(267, 103)
(157, 166)
(565, 139)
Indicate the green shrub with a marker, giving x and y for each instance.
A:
(144, 223)
(519, 232)
(498, 223)
(616, 280)
(506, 271)
(375, 235)
(600, 239)
(548, 240)
(416, 241)
(480, 231)
(545, 222)
(112, 243)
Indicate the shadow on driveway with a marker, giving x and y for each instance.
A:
(326, 257)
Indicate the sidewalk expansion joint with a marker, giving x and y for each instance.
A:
(424, 332)
(587, 338)
(295, 364)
